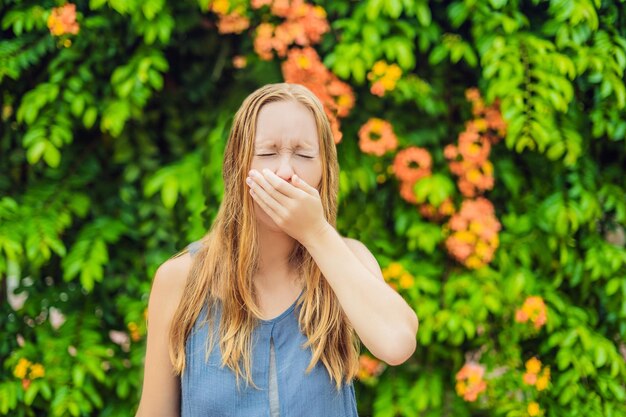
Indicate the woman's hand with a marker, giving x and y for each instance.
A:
(296, 208)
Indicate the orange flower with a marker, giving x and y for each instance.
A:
(257, 4)
(232, 23)
(533, 365)
(377, 89)
(469, 159)
(496, 123)
(544, 380)
(37, 371)
(393, 270)
(412, 163)
(396, 276)
(407, 193)
(533, 409)
(406, 280)
(281, 8)
(134, 331)
(26, 383)
(469, 162)
(532, 377)
(474, 233)
(534, 310)
(62, 20)
(264, 40)
(495, 126)
(376, 137)
(450, 152)
(343, 97)
(472, 94)
(529, 378)
(369, 367)
(21, 368)
(229, 21)
(472, 147)
(521, 316)
(304, 25)
(470, 381)
(221, 7)
(446, 208)
(240, 61)
(304, 66)
(384, 77)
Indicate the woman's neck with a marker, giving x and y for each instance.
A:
(274, 270)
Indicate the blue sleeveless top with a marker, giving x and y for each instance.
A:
(278, 369)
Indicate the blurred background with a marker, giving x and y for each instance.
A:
(483, 161)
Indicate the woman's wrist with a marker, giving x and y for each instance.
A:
(318, 234)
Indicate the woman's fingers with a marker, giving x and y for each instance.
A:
(282, 186)
(301, 184)
(260, 181)
(268, 204)
(267, 193)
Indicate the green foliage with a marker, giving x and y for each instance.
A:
(111, 144)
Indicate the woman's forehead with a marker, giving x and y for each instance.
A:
(286, 124)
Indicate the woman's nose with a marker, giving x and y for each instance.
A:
(285, 169)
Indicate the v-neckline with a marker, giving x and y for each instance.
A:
(283, 314)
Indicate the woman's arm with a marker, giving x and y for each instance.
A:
(160, 396)
(385, 323)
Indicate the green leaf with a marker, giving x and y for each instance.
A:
(393, 8)
(89, 118)
(31, 393)
(373, 9)
(435, 189)
(169, 192)
(600, 356)
(438, 54)
(96, 4)
(358, 70)
(78, 376)
(423, 13)
(405, 54)
(78, 105)
(35, 152)
(370, 34)
(150, 8)
(51, 155)
(32, 136)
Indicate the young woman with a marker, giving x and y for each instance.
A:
(262, 316)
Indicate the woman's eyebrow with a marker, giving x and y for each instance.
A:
(305, 146)
(272, 144)
(265, 145)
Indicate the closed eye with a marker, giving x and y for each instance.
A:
(307, 157)
(266, 154)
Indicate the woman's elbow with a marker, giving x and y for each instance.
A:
(402, 354)
(404, 346)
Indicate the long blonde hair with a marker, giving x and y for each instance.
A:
(223, 268)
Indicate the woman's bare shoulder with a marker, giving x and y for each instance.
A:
(176, 264)
(356, 245)
(171, 277)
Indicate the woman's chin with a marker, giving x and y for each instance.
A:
(265, 222)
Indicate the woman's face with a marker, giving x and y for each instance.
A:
(286, 143)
